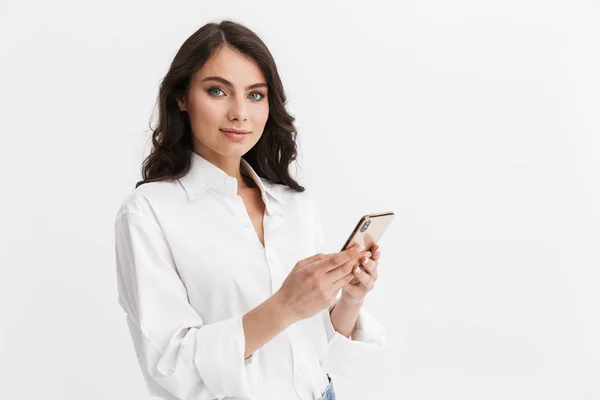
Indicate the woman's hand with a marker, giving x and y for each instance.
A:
(365, 276)
(314, 282)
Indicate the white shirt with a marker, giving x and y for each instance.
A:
(190, 265)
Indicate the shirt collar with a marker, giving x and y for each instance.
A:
(203, 175)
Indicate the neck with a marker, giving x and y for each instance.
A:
(248, 183)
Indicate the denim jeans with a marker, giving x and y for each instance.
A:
(329, 392)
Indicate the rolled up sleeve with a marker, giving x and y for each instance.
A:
(177, 351)
(347, 356)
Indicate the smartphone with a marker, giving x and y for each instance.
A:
(369, 230)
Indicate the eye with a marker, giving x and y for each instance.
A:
(262, 96)
(210, 91)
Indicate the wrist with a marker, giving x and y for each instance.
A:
(344, 316)
(351, 300)
(285, 316)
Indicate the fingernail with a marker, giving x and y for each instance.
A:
(366, 260)
(358, 249)
(357, 269)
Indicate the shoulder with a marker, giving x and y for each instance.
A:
(144, 199)
(303, 202)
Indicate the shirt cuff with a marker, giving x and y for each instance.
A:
(347, 356)
(221, 362)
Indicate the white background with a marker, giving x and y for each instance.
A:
(475, 122)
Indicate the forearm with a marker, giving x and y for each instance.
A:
(263, 323)
(344, 316)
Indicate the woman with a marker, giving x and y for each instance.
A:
(220, 261)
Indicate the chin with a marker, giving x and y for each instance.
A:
(234, 150)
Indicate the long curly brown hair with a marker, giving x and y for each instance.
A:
(170, 156)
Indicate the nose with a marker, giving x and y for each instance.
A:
(238, 109)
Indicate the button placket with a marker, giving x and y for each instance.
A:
(245, 217)
(273, 269)
(300, 373)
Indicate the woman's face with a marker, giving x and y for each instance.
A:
(228, 92)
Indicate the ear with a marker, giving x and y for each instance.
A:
(182, 104)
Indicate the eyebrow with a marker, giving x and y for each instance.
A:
(227, 83)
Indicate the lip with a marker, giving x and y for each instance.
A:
(234, 131)
(236, 137)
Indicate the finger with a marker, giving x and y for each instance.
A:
(346, 268)
(376, 252)
(316, 257)
(364, 278)
(343, 281)
(366, 264)
(370, 267)
(335, 260)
